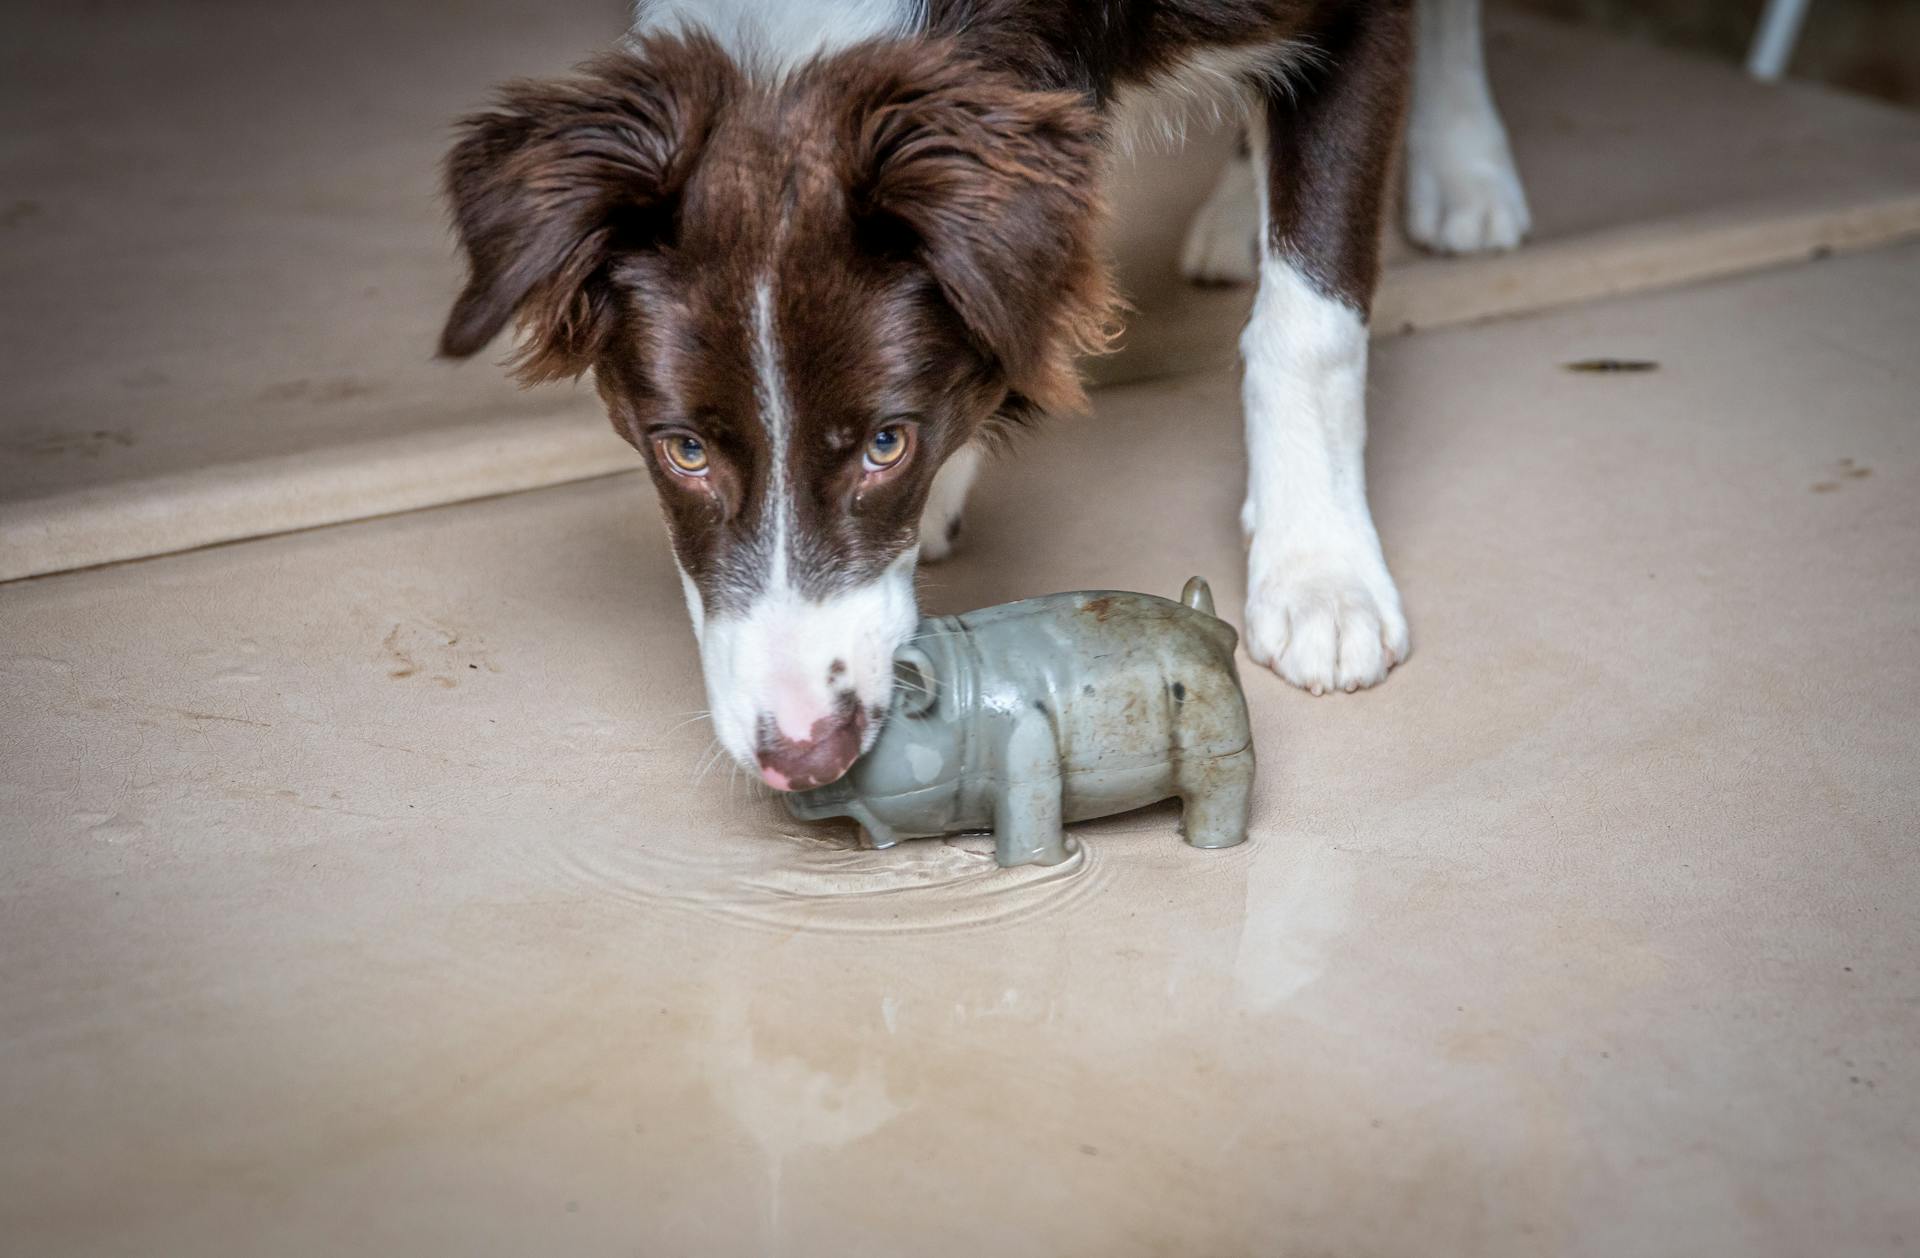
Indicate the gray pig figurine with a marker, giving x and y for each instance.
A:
(1022, 717)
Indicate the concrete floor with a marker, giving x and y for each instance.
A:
(359, 892)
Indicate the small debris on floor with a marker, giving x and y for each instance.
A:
(1612, 364)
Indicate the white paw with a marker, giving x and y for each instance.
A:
(939, 534)
(1463, 193)
(1325, 624)
(1223, 239)
(947, 503)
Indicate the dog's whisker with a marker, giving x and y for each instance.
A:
(690, 719)
(708, 760)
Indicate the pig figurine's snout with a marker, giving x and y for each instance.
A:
(819, 803)
(837, 799)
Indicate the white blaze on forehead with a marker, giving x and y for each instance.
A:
(780, 34)
(770, 391)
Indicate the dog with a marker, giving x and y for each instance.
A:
(818, 253)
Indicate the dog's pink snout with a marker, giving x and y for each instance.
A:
(827, 752)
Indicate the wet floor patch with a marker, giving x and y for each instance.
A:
(821, 880)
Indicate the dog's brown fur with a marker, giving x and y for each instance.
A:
(928, 228)
(896, 237)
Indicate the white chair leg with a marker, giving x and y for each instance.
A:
(1773, 42)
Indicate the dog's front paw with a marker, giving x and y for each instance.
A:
(946, 503)
(1224, 236)
(939, 533)
(1463, 193)
(1325, 622)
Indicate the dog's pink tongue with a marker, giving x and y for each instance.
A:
(776, 779)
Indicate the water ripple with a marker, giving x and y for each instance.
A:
(820, 880)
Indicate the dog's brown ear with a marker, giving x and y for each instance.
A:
(561, 176)
(994, 187)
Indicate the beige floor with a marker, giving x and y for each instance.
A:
(229, 265)
(359, 892)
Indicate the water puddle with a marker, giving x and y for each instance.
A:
(759, 867)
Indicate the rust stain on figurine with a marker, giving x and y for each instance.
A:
(1021, 718)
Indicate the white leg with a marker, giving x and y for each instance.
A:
(1463, 193)
(946, 500)
(1222, 245)
(1322, 610)
(1773, 42)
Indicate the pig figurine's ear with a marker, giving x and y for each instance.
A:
(915, 690)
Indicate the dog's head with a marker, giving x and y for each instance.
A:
(799, 296)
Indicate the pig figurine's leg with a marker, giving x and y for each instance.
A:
(1216, 797)
(1026, 811)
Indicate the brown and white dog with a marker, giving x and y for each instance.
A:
(817, 251)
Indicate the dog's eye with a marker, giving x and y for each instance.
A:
(685, 452)
(886, 448)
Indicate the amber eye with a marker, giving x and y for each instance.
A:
(886, 448)
(685, 452)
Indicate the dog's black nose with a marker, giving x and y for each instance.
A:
(828, 751)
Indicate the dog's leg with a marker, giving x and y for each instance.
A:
(1463, 194)
(1321, 608)
(946, 501)
(1222, 245)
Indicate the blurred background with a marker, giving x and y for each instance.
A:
(1866, 46)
